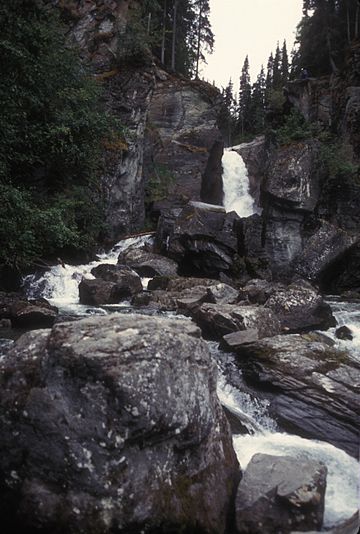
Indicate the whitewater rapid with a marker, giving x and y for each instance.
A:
(236, 185)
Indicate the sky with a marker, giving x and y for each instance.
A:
(250, 27)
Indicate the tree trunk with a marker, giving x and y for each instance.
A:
(173, 51)
(198, 41)
(162, 59)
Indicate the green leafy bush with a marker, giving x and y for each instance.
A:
(295, 128)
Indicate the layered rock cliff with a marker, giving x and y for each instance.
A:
(170, 139)
(308, 189)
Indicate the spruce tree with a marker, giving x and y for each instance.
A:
(245, 100)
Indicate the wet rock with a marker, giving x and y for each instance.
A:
(97, 292)
(125, 278)
(280, 493)
(201, 238)
(33, 314)
(317, 386)
(5, 323)
(114, 421)
(344, 333)
(321, 250)
(217, 320)
(258, 291)
(235, 340)
(300, 308)
(147, 263)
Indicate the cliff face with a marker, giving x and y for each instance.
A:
(310, 223)
(172, 139)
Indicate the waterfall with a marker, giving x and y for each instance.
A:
(236, 185)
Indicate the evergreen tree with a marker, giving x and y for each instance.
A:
(228, 112)
(203, 35)
(258, 100)
(244, 124)
(277, 71)
(284, 64)
(269, 74)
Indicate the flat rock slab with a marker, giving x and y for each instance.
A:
(278, 494)
(235, 340)
(147, 263)
(317, 386)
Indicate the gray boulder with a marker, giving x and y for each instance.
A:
(300, 308)
(114, 423)
(280, 494)
(98, 292)
(217, 320)
(125, 278)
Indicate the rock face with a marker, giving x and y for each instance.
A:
(317, 386)
(183, 144)
(280, 494)
(114, 423)
(200, 238)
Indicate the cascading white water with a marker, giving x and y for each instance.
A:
(60, 284)
(236, 185)
(342, 491)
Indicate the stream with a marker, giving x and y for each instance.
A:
(59, 286)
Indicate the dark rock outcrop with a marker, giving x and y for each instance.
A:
(201, 238)
(113, 423)
(317, 386)
(280, 494)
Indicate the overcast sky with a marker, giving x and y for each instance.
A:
(250, 27)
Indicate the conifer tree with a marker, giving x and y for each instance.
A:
(245, 99)
(258, 99)
(284, 64)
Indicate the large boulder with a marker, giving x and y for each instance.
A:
(113, 423)
(97, 292)
(147, 263)
(299, 308)
(280, 494)
(217, 320)
(24, 313)
(317, 386)
(201, 238)
(124, 277)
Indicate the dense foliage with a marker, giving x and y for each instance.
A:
(51, 127)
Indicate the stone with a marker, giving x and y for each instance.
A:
(148, 264)
(98, 291)
(344, 333)
(217, 320)
(201, 239)
(114, 422)
(125, 278)
(32, 314)
(280, 493)
(300, 308)
(235, 340)
(317, 386)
